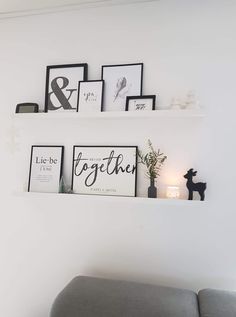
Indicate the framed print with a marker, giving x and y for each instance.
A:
(45, 168)
(121, 81)
(105, 170)
(140, 103)
(90, 96)
(62, 86)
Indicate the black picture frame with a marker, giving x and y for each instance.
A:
(41, 161)
(105, 193)
(128, 76)
(139, 98)
(64, 102)
(27, 107)
(79, 102)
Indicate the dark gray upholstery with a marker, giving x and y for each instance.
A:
(93, 297)
(215, 303)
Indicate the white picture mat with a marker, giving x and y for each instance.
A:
(111, 74)
(74, 75)
(121, 184)
(41, 179)
(94, 103)
(146, 102)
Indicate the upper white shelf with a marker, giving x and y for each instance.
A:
(112, 115)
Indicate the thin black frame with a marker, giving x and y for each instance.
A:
(26, 105)
(52, 146)
(91, 81)
(108, 146)
(123, 65)
(84, 65)
(153, 97)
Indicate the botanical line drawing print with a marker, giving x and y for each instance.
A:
(122, 88)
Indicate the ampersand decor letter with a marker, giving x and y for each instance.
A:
(58, 92)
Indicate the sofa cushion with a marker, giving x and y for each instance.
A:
(95, 297)
(215, 303)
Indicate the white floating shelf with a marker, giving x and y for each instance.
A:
(116, 199)
(112, 115)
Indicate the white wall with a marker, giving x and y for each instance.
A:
(46, 241)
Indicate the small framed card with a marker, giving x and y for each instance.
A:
(105, 170)
(45, 168)
(140, 103)
(90, 96)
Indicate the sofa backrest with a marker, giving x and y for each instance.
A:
(216, 303)
(95, 297)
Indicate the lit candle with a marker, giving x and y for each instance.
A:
(172, 192)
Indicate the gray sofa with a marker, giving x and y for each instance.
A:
(95, 297)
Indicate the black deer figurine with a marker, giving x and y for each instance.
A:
(194, 187)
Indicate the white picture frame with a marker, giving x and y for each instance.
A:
(105, 170)
(45, 168)
(121, 81)
(90, 96)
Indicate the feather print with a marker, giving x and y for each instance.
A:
(121, 84)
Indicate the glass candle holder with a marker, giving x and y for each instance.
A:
(172, 192)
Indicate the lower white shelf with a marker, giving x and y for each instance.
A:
(115, 199)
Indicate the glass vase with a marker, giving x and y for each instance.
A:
(152, 190)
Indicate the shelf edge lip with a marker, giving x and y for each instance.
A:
(101, 197)
(162, 113)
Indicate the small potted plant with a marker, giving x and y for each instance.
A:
(153, 160)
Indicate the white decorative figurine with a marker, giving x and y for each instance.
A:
(175, 104)
(191, 102)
